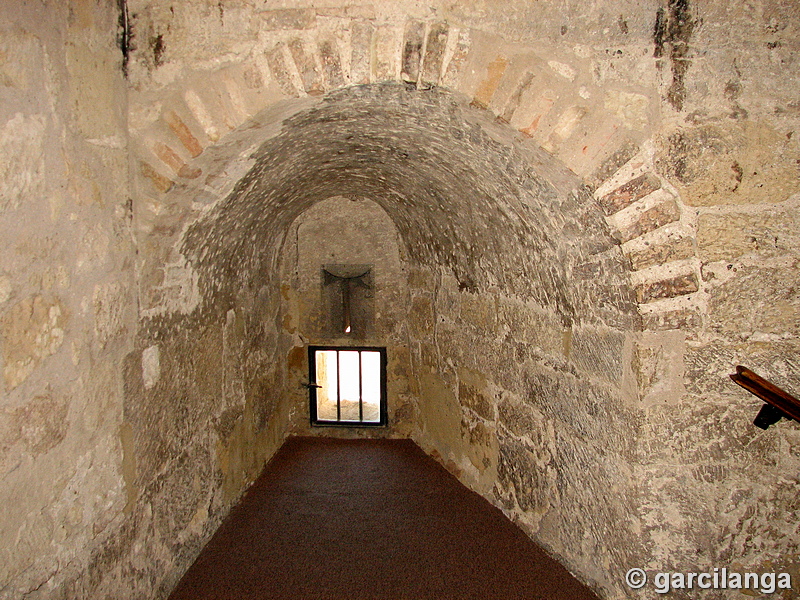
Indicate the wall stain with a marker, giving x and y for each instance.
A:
(157, 46)
(674, 27)
(124, 34)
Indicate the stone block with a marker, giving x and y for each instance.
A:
(434, 53)
(22, 169)
(95, 86)
(627, 194)
(661, 252)
(31, 330)
(361, 55)
(600, 353)
(567, 123)
(522, 419)
(595, 488)
(331, 64)
(531, 325)
(588, 411)
(421, 279)
(179, 128)
(420, 317)
(453, 69)
(522, 88)
(276, 59)
(307, 67)
(84, 182)
(200, 111)
(613, 163)
(673, 502)
(667, 288)
(168, 156)
(660, 367)
(682, 318)
(348, 11)
(479, 311)
(386, 42)
(632, 109)
(528, 473)
(589, 143)
(757, 301)
(564, 70)
(662, 214)
(707, 430)
(34, 428)
(473, 393)
(733, 163)
(22, 57)
(709, 365)
(731, 235)
(481, 449)
(289, 18)
(252, 77)
(413, 41)
(534, 111)
(488, 85)
(110, 303)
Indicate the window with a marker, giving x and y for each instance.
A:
(348, 386)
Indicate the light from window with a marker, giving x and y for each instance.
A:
(348, 386)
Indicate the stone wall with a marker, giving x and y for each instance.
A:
(67, 292)
(727, 150)
(536, 414)
(203, 413)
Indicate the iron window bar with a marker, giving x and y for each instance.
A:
(314, 387)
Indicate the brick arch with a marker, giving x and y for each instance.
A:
(192, 141)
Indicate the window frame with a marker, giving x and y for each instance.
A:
(313, 387)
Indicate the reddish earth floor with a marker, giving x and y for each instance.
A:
(369, 519)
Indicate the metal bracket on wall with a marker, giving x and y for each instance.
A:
(348, 276)
(779, 404)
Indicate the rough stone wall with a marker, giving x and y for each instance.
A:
(203, 413)
(536, 414)
(727, 148)
(67, 308)
(680, 117)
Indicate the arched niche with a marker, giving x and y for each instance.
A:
(328, 246)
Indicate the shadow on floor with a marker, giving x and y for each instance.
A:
(369, 519)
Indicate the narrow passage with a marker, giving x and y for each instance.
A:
(369, 519)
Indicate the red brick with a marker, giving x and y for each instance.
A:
(627, 194)
(650, 220)
(184, 135)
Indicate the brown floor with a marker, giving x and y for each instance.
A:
(378, 519)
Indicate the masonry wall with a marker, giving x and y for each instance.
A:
(514, 400)
(67, 293)
(728, 146)
(203, 412)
